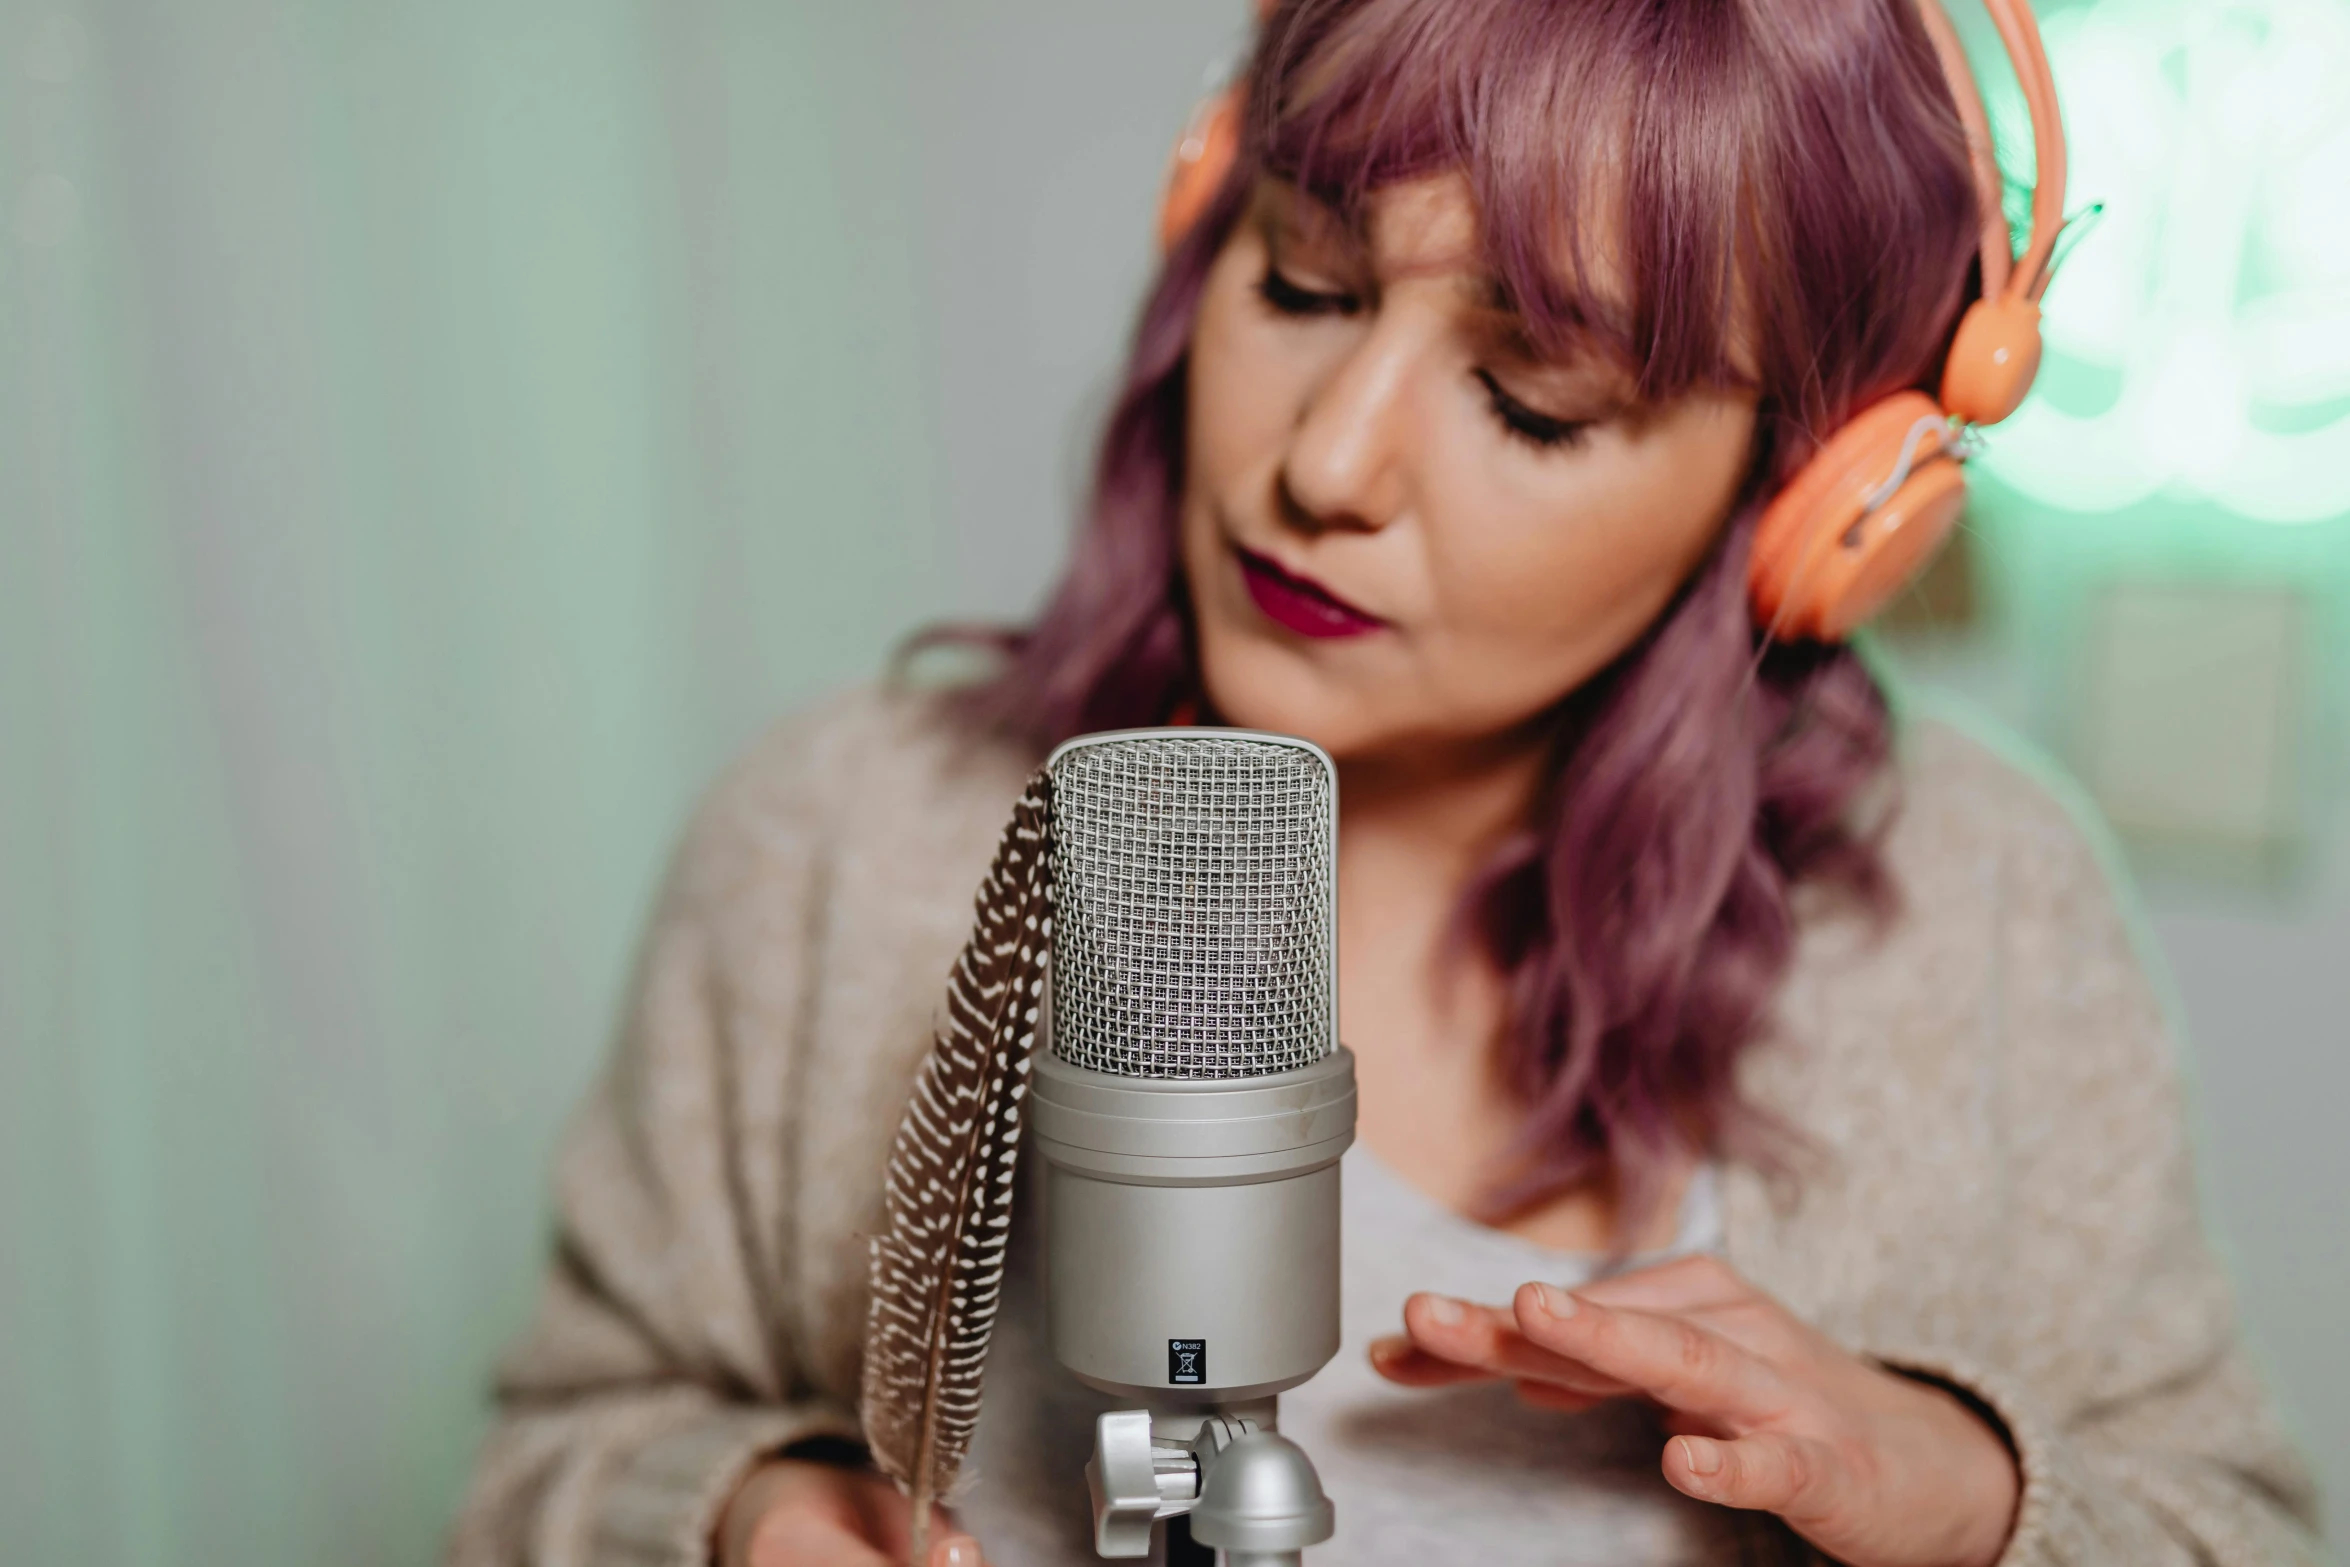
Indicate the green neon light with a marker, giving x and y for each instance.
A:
(2211, 309)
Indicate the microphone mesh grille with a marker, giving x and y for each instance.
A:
(1195, 929)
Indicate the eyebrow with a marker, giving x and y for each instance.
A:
(1585, 364)
(1493, 310)
(1494, 314)
(1282, 209)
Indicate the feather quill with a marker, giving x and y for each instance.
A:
(938, 1265)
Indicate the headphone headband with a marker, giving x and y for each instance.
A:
(1982, 156)
(2020, 31)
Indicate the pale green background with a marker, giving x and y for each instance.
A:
(433, 436)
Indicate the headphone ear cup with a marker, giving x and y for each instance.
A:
(1992, 361)
(1823, 560)
(1205, 155)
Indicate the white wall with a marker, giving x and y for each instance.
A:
(1045, 125)
(2266, 986)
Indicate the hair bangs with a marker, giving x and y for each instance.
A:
(1605, 143)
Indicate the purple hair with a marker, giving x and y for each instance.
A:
(1780, 194)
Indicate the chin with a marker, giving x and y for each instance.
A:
(1338, 695)
(1258, 682)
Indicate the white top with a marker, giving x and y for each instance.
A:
(1418, 1476)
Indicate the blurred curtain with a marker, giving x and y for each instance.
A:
(432, 436)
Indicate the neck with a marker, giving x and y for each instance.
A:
(1442, 812)
(1425, 1012)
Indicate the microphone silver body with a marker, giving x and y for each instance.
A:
(1192, 1229)
(1190, 1114)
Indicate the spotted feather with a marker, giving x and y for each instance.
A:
(938, 1265)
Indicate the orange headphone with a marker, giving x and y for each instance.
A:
(1874, 504)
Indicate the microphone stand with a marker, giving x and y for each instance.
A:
(1190, 1221)
(1245, 1490)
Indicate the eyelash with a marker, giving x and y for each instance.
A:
(1288, 299)
(1517, 420)
(1523, 423)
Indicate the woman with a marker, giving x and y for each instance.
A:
(1813, 1053)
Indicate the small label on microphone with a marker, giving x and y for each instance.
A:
(1187, 1361)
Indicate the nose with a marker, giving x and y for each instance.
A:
(1345, 465)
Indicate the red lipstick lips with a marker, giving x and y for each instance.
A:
(1300, 604)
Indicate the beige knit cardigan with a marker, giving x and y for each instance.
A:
(1999, 1192)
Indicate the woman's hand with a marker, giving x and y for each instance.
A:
(1875, 1469)
(797, 1513)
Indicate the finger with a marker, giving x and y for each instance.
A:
(1679, 1422)
(955, 1550)
(1549, 1395)
(1490, 1340)
(889, 1523)
(1700, 1283)
(1768, 1471)
(1710, 1292)
(1671, 1358)
(1401, 1361)
(1405, 1363)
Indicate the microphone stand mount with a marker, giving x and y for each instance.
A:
(1248, 1491)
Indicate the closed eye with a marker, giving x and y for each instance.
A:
(1293, 299)
(1526, 424)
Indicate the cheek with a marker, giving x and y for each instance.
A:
(1248, 380)
(1545, 577)
(1242, 393)
(1225, 422)
(1555, 593)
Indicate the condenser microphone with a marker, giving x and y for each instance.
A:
(1190, 1114)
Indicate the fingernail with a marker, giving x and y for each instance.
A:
(1554, 1301)
(959, 1553)
(1448, 1312)
(1701, 1455)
